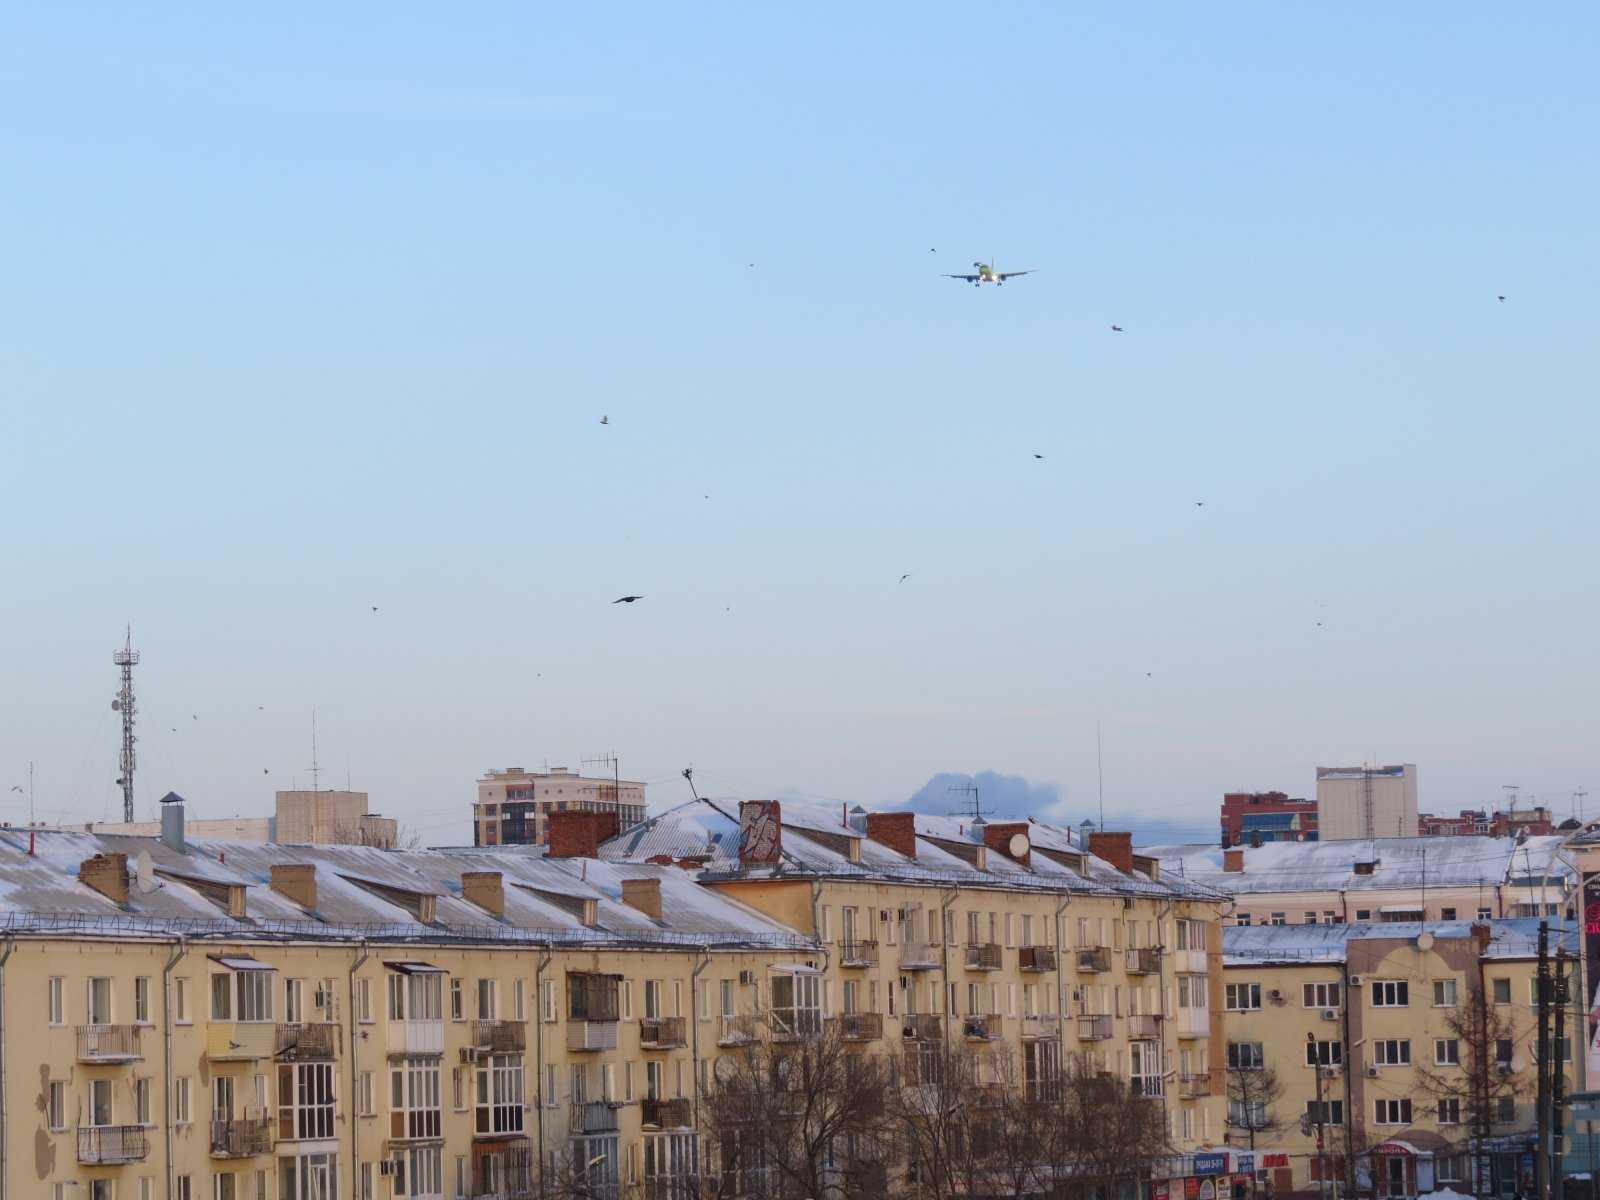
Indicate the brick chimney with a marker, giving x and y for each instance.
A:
(106, 874)
(643, 894)
(297, 881)
(1233, 860)
(896, 830)
(1481, 934)
(998, 838)
(1114, 848)
(579, 834)
(760, 832)
(485, 889)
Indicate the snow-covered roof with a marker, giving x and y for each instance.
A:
(1465, 861)
(1244, 945)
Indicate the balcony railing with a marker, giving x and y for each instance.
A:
(861, 1027)
(105, 1145)
(1144, 960)
(1144, 1025)
(1039, 1025)
(661, 1033)
(241, 1139)
(593, 1116)
(1094, 1029)
(858, 953)
(591, 1035)
(665, 1114)
(1194, 1087)
(109, 1043)
(505, 1173)
(1047, 1089)
(983, 956)
(416, 1037)
(1193, 1023)
(919, 956)
(1097, 958)
(792, 1024)
(1146, 1087)
(316, 1041)
(737, 1031)
(986, 1027)
(923, 1027)
(1037, 958)
(240, 1041)
(987, 1095)
(500, 1037)
(672, 1187)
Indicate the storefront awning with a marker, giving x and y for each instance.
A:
(411, 967)
(239, 962)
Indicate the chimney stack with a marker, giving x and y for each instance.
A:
(998, 838)
(106, 874)
(1114, 848)
(896, 830)
(579, 834)
(297, 882)
(760, 832)
(486, 889)
(643, 894)
(1233, 860)
(172, 823)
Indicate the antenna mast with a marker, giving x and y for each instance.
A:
(614, 788)
(970, 788)
(1100, 774)
(315, 771)
(126, 658)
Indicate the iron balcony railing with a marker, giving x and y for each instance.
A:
(987, 1095)
(919, 956)
(593, 1116)
(1146, 1087)
(665, 1114)
(1040, 1025)
(241, 1138)
(500, 1037)
(1094, 1029)
(1097, 958)
(1144, 960)
(317, 1040)
(505, 1173)
(793, 1024)
(861, 1026)
(1194, 1087)
(1144, 1025)
(737, 1031)
(983, 956)
(109, 1043)
(986, 1027)
(858, 953)
(104, 1145)
(1037, 958)
(662, 1033)
(924, 1027)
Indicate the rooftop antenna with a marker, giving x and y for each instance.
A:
(1100, 774)
(315, 771)
(1577, 797)
(1511, 790)
(609, 759)
(688, 774)
(126, 658)
(970, 788)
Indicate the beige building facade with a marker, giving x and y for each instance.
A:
(1367, 802)
(327, 816)
(514, 805)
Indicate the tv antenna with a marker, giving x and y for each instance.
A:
(127, 658)
(970, 788)
(1577, 797)
(609, 759)
(315, 770)
(688, 775)
(1511, 790)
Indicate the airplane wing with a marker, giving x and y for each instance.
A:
(968, 278)
(1010, 274)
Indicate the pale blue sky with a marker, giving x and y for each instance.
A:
(306, 311)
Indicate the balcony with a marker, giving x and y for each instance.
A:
(241, 1139)
(737, 1031)
(672, 1187)
(923, 1027)
(1039, 1025)
(661, 1033)
(1193, 1023)
(857, 953)
(416, 1037)
(240, 1041)
(861, 1027)
(1144, 1026)
(1194, 1087)
(499, 1037)
(505, 1173)
(1189, 962)
(919, 956)
(664, 1114)
(108, 1145)
(1094, 1029)
(983, 956)
(987, 1095)
(1146, 1087)
(1037, 958)
(793, 1024)
(313, 1042)
(592, 1116)
(109, 1043)
(584, 1036)
(1145, 960)
(1097, 958)
(988, 1027)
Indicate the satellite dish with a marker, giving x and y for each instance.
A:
(116, 706)
(144, 872)
(1018, 845)
(1424, 940)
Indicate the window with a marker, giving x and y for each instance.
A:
(419, 1171)
(1444, 993)
(141, 1101)
(487, 996)
(1390, 993)
(307, 1177)
(414, 1099)
(418, 997)
(498, 1095)
(1446, 1052)
(181, 1114)
(1241, 918)
(1502, 1052)
(1242, 997)
(364, 1095)
(180, 1001)
(364, 1001)
(1450, 1112)
(58, 1014)
(294, 996)
(1447, 914)
(364, 1184)
(670, 1156)
(1245, 1056)
(99, 1001)
(1324, 1054)
(458, 1007)
(1392, 1052)
(1250, 1114)
(305, 1100)
(1502, 991)
(141, 1000)
(1485, 914)
(185, 1189)
(1392, 1112)
(56, 1105)
(1320, 995)
(1329, 1112)
(100, 1102)
(1311, 918)
(547, 999)
(1192, 991)
(241, 996)
(1506, 1110)
(519, 1001)
(224, 1187)
(1278, 919)
(652, 999)
(796, 1003)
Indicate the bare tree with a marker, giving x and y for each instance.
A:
(1107, 1133)
(1470, 1090)
(1252, 1092)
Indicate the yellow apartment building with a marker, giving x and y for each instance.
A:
(1408, 1050)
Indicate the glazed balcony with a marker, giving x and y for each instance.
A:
(109, 1145)
(241, 1139)
(1094, 1029)
(500, 1037)
(662, 1033)
(919, 956)
(1193, 1023)
(672, 1187)
(1037, 958)
(593, 1116)
(1144, 1026)
(1096, 958)
(987, 1095)
(1146, 1087)
(858, 953)
(861, 1027)
(1144, 960)
(664, 1114)
(416, 1037)
(110, 1044)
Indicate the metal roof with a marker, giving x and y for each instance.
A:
(1244, 945)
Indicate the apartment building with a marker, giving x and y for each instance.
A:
(1267, 817)
(1380, 879)
(1005, 936)
(329, 815)
(514, 805)
(1366, 802)
(1403, 1052)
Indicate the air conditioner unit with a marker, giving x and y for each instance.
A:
(1330, 1014)
(1355, 981)
(1372, 1072)
(747, 977)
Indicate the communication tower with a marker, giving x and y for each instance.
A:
(127, 658)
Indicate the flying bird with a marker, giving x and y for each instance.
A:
(1116, 329)
(905, 577)
(193, 717)
(1199, 503)
(374, 608)
(14, 788)
(626, 599)
(1038, 456)
(604, 420)
(1502, 299)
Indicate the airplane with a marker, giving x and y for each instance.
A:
(987, 274)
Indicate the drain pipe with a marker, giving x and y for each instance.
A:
(179, 949)
(1061, 995)
(5, 1125)
(538, 1057)
(945, 925)
(694, 1027)
(355, 1117)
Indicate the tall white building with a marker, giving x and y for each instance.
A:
(1366, 802)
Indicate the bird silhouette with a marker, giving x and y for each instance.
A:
(605, 420)
(193, 717)
(1502, 299)
(1038, 456)
(264, 771)
(374, 608)
(626, 599)
(1116, 329)
(905, 577)
(1199, 503)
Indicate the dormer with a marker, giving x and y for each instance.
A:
(226, 894)
(585, 908)
(423, 906)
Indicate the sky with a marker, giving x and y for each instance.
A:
(311, 315)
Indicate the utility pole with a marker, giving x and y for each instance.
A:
(126, 658)
(1541, 1159)
(1558, 1077)
(1322, 1119)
